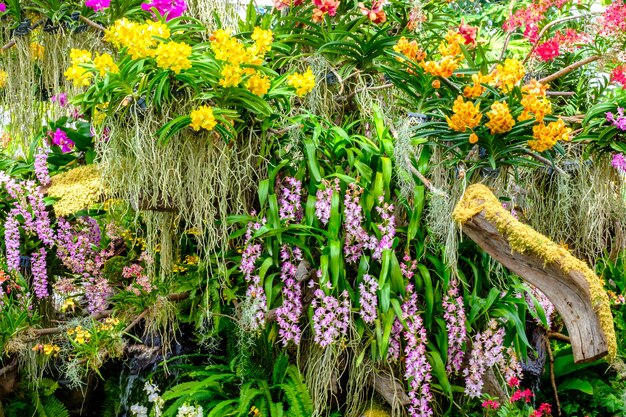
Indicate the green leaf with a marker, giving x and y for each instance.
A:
(576, 384)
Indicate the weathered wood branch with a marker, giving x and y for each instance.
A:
(569, 290)
(390, 389)
(569, 69)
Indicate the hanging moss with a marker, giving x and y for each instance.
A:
(524, 239)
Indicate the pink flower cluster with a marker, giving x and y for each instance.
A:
(618, 75)
(290, 200)
(613, 20)
(454, 316)
(78, 249)
(491, 405)
(387, 228)
(519, 394)
(375, 13)
(255, 304)
(544, 410)
(368, 298)
(284, 4)
(323, 7)
(28, 205)
(619, 162)
(288, 315)
(97, 5)
(545, 303)
(60, 139)
(565, 41)
(41, 166)
(530, 16)
(487, 350)
(331, 317)
(418, 368)
(356, 238)
(136, 272)
(619, 121)
(323, 200)
(171, 9)
(40, 273)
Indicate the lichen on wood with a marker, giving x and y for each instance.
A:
(479, 200)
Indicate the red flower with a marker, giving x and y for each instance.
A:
(519, 394)
(468, 32)
(491, 404)
(545, 408)
(513, 381)
(619, 75)
(548, 50)
(376, 14)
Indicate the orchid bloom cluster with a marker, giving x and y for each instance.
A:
(529, 17)
(408, 267)
(545, 303)
(618, 120)
(487, 351)
(29, 206)
(387, 228)
(356, 238)
(60, 139)
(41, 166)
(77, 248)
(454, 316)
(170, 9)
(255, 304)
(368, 299)
(141, 279)
(561, 41)
(418, 367)
(323, 200)
(290, 200)
(288, 315)
(618, 162)
(331, 317)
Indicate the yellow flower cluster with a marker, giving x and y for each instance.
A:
(235, 54)
(191, 260)
(450, 51)
(409, 49)
(80, 335)
(477, 89)
(466, 115)
(546, 136)
(508, 75)
(104, 64)
(133, 239)
(535, 101)
(303, 83)
(262, 41)
(108, 324)
(500, 119)
(140, 39)
(47, 349)
(36, 51)
(79, 75)
(203, 118)
(4, 77)
(231, 75)
(68, 304)
(173, 56)
(258, 84)
(78, 189)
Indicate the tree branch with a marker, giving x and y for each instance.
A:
(569, 69)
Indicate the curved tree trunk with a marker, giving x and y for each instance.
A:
(485, 221)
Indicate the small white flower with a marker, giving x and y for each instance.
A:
(139, 410)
